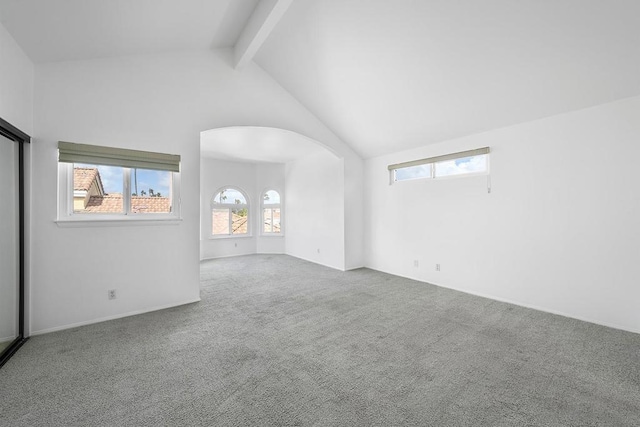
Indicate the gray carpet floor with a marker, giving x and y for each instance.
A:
(280, 341)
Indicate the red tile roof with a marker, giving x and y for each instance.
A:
(84, 177)
(220, 223)
(141, 204)
(112, 203)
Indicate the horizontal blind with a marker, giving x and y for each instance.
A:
(70, 152)
(436, 159)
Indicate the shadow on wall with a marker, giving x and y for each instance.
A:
(256, 144)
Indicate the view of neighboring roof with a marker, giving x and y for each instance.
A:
(220, 222)
(110, 203)
(84, 177)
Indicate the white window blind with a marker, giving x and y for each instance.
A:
(70, 152)
(430, 160)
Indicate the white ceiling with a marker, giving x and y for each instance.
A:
(55, 30)
(256, 144)
(391, 75)
(383, 75)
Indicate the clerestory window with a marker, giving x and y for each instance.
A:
(472, 162)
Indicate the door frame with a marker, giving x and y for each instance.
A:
(13, 133)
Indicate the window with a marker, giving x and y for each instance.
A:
(413, 172)
(104, 183)
(271, 213)
(230, 213)
(463, 163)
(462, 166)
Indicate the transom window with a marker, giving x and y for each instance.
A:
(463, 163)
(271, 213)
(230, 213)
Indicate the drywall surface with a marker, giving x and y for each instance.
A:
(16, 107)
(152, 102)
(314, 205)
(558, 232)
(353, 212)
(16, 84)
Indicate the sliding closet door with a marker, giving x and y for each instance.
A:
(9, 244)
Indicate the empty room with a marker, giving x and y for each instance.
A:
(319, 213)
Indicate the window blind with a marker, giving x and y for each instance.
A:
(436, 159)
(70, 152)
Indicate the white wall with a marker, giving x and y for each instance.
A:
(153, 102)
(314, 205)
(353, 212)
(559, 231)
(16, 107)
(16, 84)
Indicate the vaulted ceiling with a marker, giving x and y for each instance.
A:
(383, 75)
(58, 30)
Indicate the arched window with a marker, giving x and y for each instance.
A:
(230, 213)
(271, 212)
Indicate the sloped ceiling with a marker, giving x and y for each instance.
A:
(56, 30)
(392, 75)
(383, 75)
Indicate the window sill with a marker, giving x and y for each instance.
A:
(223, 237)
(120, 222)
(272, 235)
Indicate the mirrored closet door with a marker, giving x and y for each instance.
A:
(9, 243)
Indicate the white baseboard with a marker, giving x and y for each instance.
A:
(316, 262)
(243, 254)
(107, 318)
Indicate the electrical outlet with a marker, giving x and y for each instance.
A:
(416, 263)
(235, 245)
(111, 293)
(437, 267)
(318, 250)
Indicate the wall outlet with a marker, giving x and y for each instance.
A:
(111, 293)
(235, 245)
(318, 250)
(416, 263)
(437, 267)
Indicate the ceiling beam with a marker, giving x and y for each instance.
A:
(263, 20)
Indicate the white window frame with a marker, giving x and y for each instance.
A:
(66, 212)
(263, 206)
(231, 206)
(433, 161)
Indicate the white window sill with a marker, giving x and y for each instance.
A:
(272, 235)
(119, 222)
(226, 236)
